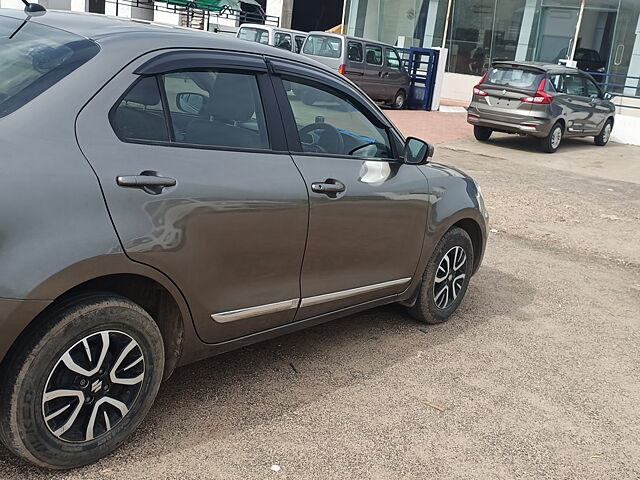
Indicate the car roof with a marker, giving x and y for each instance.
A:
(117, 32)
(541, 66)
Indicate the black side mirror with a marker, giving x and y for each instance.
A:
(417, 152)
(189, 102)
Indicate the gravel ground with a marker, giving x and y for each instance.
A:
(536, 376)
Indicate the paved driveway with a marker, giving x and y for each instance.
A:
(536, 376)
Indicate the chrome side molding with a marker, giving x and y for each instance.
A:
(330, 297)
(244, 313)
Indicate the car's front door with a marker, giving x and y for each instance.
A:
(394, 75)
(368, 210)
(374, 83)
(191, 165)
(599, 110)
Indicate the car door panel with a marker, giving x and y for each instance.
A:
(364, 241)
(230, 233)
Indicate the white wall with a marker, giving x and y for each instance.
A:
(458, 86)
(282, 9)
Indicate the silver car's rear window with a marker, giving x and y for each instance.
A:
(253, 34)
(323, 46)
(33, 57)
(514, 77)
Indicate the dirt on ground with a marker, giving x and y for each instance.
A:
(535, 377)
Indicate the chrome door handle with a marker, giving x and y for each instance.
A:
(329, 187)
(149, 181)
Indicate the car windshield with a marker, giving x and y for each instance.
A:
(254, 35)
(34, 57)
(323, 46)
(514, 77)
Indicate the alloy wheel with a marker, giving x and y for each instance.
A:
(93, 386)
(607, 132)
(556, 137)
(450, 277)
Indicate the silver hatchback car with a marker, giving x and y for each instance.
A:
(545, 101)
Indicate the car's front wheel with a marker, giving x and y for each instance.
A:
(605, 134)
(399, 100)
(445, 279)
(81, 382)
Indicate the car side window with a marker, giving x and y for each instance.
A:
(329, 122)
(592, 89)
(558, 83)
(392, 59)
(216, 108)
(299, 43)
(140, 114)
(282, 40)
(354, 50)
(374, 55)
(574, 85)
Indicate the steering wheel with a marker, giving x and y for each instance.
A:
(329, 141)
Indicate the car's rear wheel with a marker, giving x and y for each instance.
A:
(551, 142)
(399, 100)
(605, 134)
(80, 383)
(482, 134)
(446, 278)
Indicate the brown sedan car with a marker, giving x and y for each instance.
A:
(180, 201)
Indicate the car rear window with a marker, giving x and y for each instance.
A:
(33, 57)
(323, 46)
(514, 77)
(254, 35)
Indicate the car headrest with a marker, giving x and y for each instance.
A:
(371, 56)
(233, 98)
(150, 95)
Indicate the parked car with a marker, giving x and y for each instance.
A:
(284, 38)
(545, 101)
(590, 60)
(166, 198)
(375, 67)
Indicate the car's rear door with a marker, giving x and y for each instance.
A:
(368, 210)
(210, 198)
(578, 103)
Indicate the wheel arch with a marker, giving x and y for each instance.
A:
(145, 286)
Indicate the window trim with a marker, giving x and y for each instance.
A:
(369, 45)
(361, 50)
(293, 135)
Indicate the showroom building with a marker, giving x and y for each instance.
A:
(604, 34)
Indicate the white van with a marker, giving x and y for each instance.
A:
(284, 38)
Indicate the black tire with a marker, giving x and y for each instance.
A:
(428, 307)
(110, 325)
(399, 100)
(603, 137)
(482, 134)
(551, 142)
(308, 98)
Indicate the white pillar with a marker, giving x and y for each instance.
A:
(525, 30)
(282, 9)
(429, 29)
(634, 65)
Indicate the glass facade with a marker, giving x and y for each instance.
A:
(606, 36)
